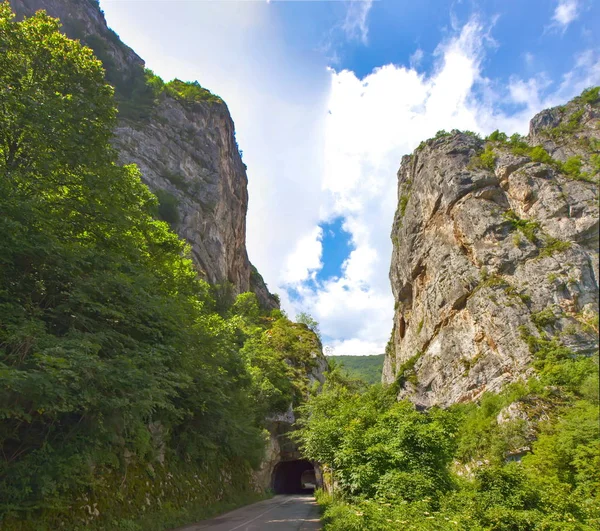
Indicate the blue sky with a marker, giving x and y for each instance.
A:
(328, 96)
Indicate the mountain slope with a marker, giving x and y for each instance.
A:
(366, 368)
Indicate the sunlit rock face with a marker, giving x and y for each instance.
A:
(480, 250)
(187, 150)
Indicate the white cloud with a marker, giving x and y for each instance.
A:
(355, 24)
(566, 12)
(305, 258)
(371, 123)
(529, 58)
(416, 58)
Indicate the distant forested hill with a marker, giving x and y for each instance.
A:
(367, 368)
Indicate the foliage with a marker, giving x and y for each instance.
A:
(406, 371)
(151, 498)
(376, 446)
(403, 203)
(306, 319)
(167, 209)
(590, 95)
(553, 245)
(114, 356)
(137, 89)
(191, 92)
(527, 227)
(572, 166)
(497, 136)
(543, 318)
(365, 368)
(395, 467)
(485, 160)
(539, 154)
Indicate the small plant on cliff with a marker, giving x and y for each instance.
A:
(307, 319)
(485, 160)
(526, 227)
(590, 95)
(544, 318)
(497, 136)
(552, 246)
(406, 372)
(539, 154)
(403, 203)
(442, 133)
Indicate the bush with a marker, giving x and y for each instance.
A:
(486, 159)
(539, 154)
(497, 136)
(590, 95)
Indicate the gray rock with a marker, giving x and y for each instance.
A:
(478, 251)
(186, 149)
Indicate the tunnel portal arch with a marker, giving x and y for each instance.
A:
(294, 477)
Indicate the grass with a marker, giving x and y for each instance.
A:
(403, 203)
(552, 246)
(526, 227)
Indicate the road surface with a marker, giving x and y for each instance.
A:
(281, 513)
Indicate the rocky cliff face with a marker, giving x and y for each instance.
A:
(493, 242)
(186, 151)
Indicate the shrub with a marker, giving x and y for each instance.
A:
(590, 95)
(527, 227)
(543, 318)
(497, 136)
(486, 159)
(539, 154)
(190, 92)
(572, 166)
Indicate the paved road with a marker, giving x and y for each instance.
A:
(281, 513)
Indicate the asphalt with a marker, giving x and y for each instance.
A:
(280, 513)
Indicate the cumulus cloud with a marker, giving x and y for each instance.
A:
(371, 123)
(566, 12)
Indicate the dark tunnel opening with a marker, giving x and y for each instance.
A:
(294, 477)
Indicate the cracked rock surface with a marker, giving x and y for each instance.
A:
(480, 250)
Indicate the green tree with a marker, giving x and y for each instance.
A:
(104, 326)
(306, 319)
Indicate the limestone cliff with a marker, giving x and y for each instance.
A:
(494, 241)
(185, 149)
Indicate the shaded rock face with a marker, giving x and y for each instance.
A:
(185, 149)
(485, 255)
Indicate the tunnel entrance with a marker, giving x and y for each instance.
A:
(294, 477)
